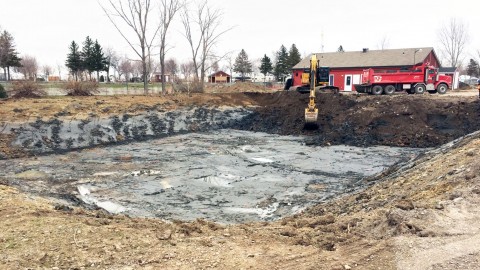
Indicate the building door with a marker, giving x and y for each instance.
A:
(348, 83)
(331, 80)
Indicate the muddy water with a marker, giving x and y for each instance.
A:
(227, 176)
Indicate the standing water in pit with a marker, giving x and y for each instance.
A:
(226, 176)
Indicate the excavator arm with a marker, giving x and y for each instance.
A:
(311, 112)
(315, 77)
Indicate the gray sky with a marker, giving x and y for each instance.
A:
(45, 29)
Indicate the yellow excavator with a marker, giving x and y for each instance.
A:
(315, 77)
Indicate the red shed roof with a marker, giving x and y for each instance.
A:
(219, 73)
(370, 58)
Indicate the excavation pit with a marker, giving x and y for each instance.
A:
(227, 176)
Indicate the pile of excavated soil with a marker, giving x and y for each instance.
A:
(399, 120)
(242, 87)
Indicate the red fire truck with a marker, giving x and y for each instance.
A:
(414, 81)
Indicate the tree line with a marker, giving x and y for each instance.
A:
(281, 67)
(202, 29)
(90, 59)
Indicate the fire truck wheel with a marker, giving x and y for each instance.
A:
(442, 88)
(377, 90)
(419, 89)
(389, 89)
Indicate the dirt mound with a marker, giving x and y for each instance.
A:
(399, 120)
(241, 87)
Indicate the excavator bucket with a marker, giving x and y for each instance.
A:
(311, 117)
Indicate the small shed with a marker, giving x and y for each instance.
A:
(157, 77)
(52, 78)
(219, 77)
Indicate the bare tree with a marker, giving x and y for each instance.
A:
(29, 67)
(137, 68)
(208, 22)
(230, 62)
(135, 14)
(215, 67)
(47, 70)
(171, 67)
(383, 43)
(453, 38)
(59, 69)
(187, 69)
(154, 66)
(125, 68)
(112, 61)
(168, 9)
(478, 59)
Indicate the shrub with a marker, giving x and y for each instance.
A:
(27, 89)
(3, 93)
(182, 87)
(81, 88)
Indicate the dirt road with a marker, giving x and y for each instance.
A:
(420, 215)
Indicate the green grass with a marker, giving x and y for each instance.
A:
(49, 85)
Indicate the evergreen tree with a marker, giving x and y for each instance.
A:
(265, 66)
(74, 60)
(88, 59)
(294, 56)
(340, 49)
(281, 69)
(473, 68)
(8, 54)
(98, 59)
(242, 65)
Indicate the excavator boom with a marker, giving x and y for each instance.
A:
(311, 112)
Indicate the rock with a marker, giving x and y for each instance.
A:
(395, 217)
(439, 206)
(323, 220)
(31, 175)
(454, 196)
(426, 234)
(405, 205)
(347, 267)
(469, 176)
(62, 207)
(471, 152)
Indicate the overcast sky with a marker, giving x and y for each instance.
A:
(45, 28)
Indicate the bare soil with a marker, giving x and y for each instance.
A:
(421, 215)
